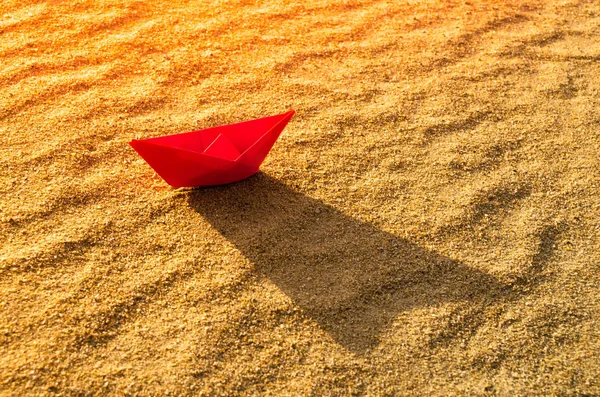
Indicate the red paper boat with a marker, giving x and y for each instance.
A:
(214, 156)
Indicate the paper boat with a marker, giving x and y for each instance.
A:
(214, 156)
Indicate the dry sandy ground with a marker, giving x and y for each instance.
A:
(427, 224)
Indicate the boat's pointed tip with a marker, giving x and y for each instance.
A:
(287, 115)
(137, 144)
(140, 145)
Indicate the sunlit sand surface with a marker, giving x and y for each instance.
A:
(427, 224)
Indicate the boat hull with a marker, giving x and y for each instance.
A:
(215, 156)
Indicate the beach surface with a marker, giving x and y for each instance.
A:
(427, 224)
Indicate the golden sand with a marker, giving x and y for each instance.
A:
(427, 224)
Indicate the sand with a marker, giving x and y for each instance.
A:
(427, 224)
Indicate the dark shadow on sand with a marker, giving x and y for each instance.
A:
(350, 277)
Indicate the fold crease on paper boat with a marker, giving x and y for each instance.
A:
(214, 156)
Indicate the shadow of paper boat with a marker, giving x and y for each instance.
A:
(350, 277)
(213, 156)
